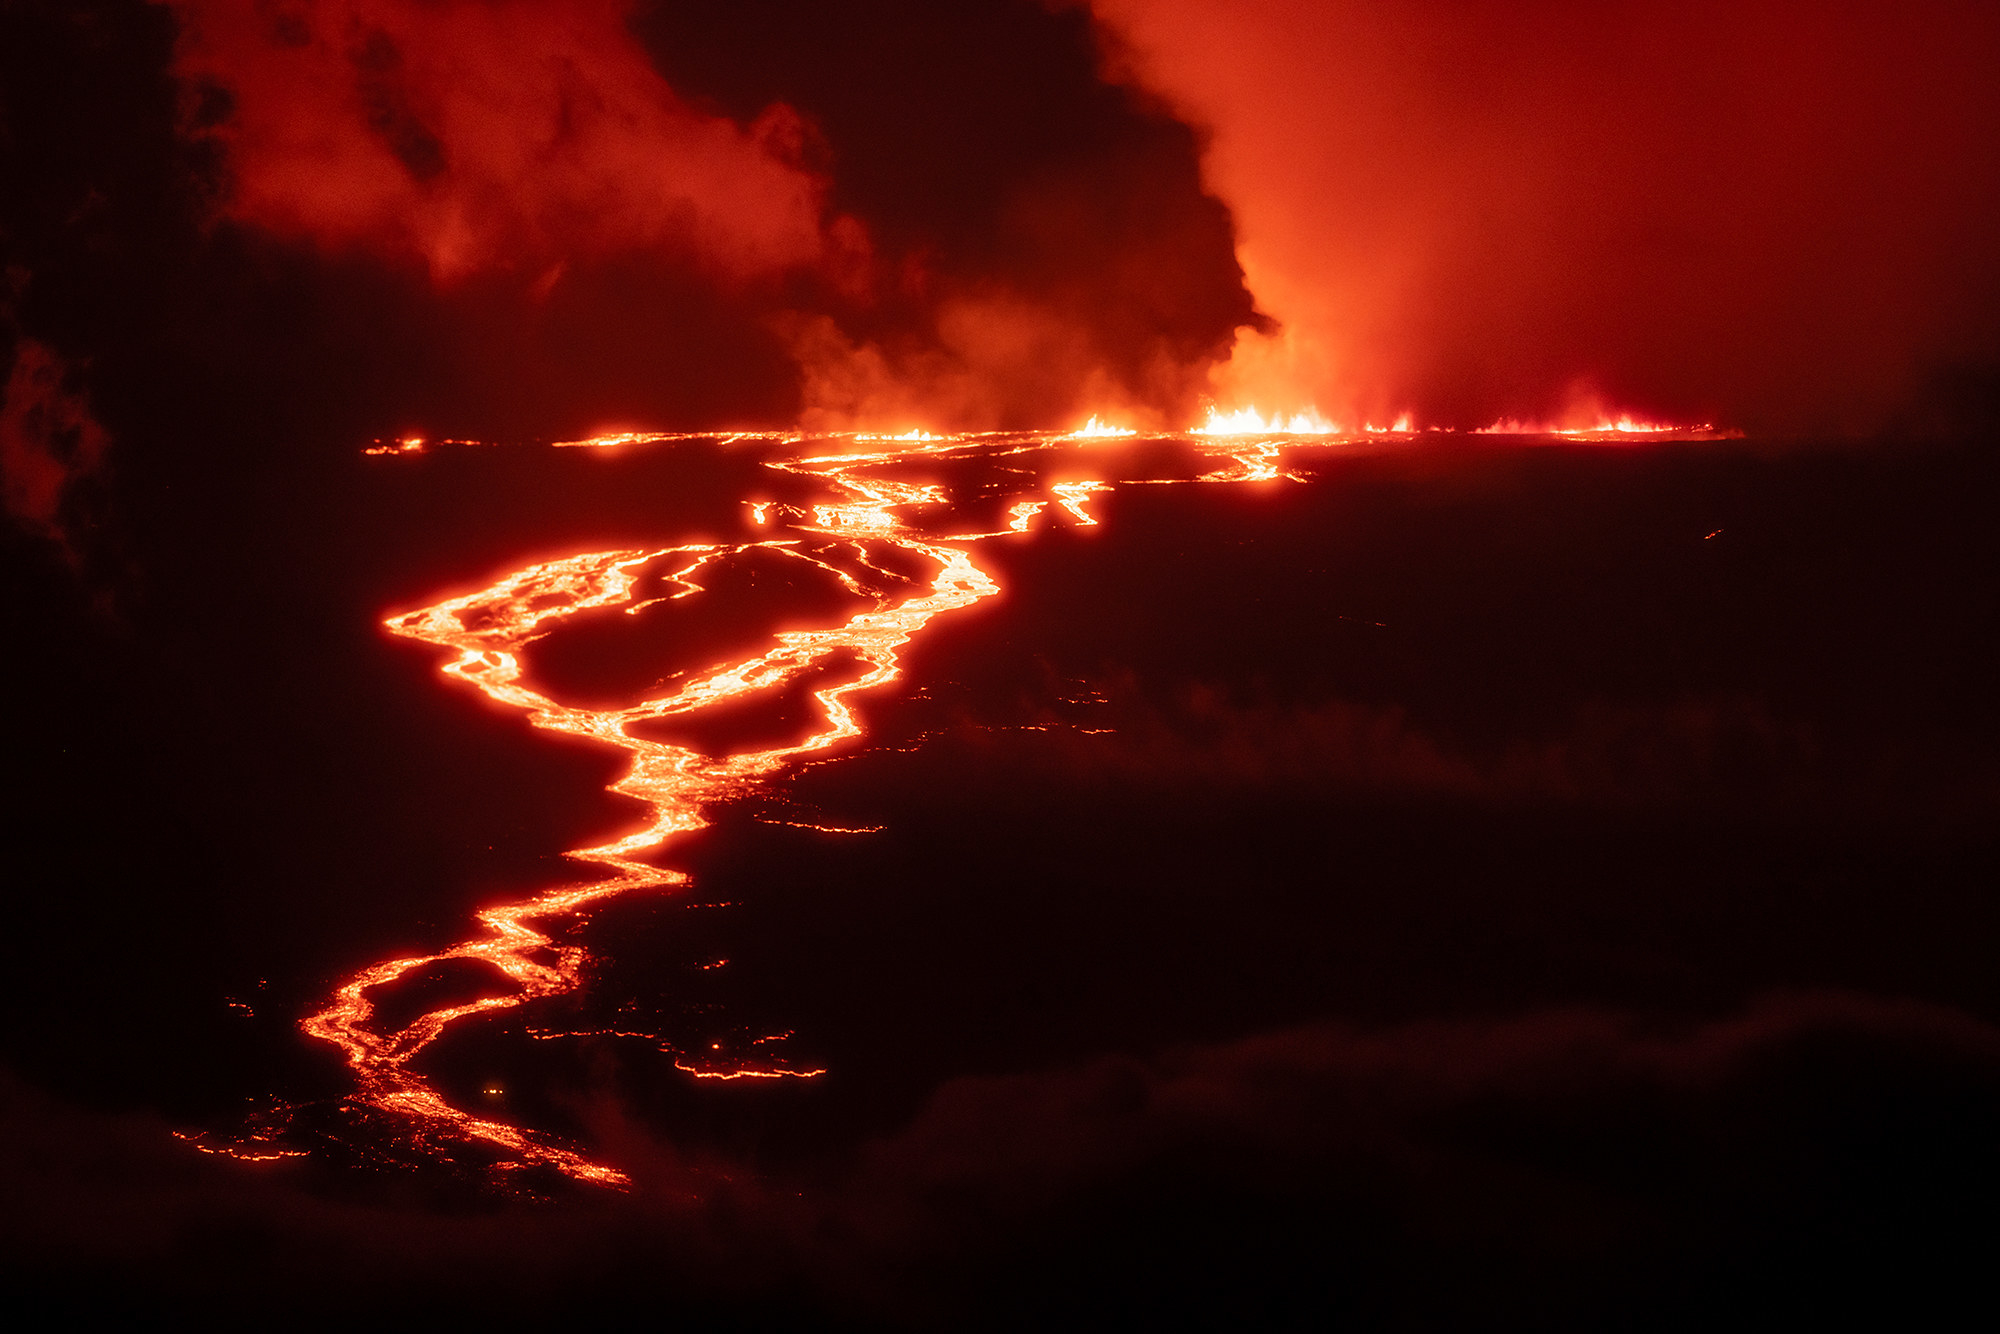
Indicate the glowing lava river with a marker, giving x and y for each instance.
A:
(894, 524)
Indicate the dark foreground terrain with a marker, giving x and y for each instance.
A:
(1491, 885)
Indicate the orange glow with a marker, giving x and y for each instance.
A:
(876, 501)
(700, 1073)
(1249, 421)
(416, 444)
(249, 1151)
(410, 445)
(1401, 426)
(824, 828)
(907, 435)
(488, 631)
(1094, 429)
(613, 439)
(1070, 496)
(1442, 205)
(1623, 425)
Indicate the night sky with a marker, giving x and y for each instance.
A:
(1486, 881)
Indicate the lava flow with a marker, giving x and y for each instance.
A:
(872, 501)
(487, 632)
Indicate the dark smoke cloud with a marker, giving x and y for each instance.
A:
(572, 217)
(1773, 214)
(1045, 247)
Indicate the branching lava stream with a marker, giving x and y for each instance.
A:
(870, 507)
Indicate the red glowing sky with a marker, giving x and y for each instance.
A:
(1773, 212)
(1770, 215)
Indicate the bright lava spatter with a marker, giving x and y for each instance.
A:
(485, 633)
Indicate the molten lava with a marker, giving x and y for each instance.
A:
(1623, 426)
(1249, 421)
(894, 494)
(487, 632)
(1095, 429)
